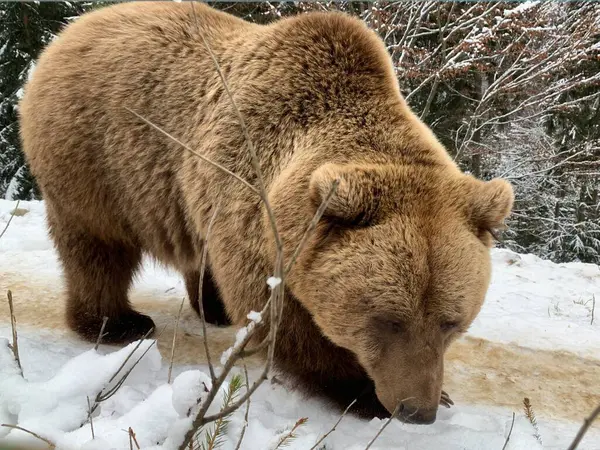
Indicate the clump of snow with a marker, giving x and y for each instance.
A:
(60, 404)
(239, 338)
(254, 316)
(273, 282)
(188, 390)
(521, 8)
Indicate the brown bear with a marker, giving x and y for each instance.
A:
(397, 268)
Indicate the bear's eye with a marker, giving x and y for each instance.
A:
(393, 325)
(449, 325)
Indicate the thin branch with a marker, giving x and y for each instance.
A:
(387, 422)
(189, 149)
(174, 341)
(200, 419)
(90, 416)
(509, 432)
(101, 334)
(587, 423)
(290, 435)
(133, 438)
(239, 443)
(102, 396)
(14, 211)
(254, 157)
(276, 293)
(334, 426)
(16, 427)
(13, 325)
(200, 297)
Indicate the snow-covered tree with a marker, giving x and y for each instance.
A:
(25, 28)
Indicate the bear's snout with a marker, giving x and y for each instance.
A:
(416, 415)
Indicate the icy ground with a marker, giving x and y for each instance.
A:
(533, 338)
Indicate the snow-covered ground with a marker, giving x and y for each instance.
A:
(534, 338)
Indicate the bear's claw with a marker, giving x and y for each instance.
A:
(445, 400)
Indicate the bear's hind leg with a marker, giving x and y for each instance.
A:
(214, 309)
(98, 275)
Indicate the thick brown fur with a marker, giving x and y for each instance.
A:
(398, 266)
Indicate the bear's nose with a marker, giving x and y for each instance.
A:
(419, 416)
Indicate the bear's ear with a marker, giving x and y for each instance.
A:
(357, 196)
(492, 203)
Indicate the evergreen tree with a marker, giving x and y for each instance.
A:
(25, 29)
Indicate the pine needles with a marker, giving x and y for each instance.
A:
(215, 435)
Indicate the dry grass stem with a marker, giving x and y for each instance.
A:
(90, 416)
(16, 427)
(133, 439)
(203, 261)
(587, 423)
(13, 325)
(10, 219)
(101, 334)
(385, 425)
(509, 432)
(102, 396)
(334, 426)
(189, 149)
(254, 157)
(174, 341)
(241, 438)
(593, 308)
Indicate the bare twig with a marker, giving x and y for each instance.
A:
(239, 443)
(384, 426)
(593, 308)
(193, 152)
(10, 219)
(90, 416)
(200, 418)
(203, 261)
(290, 435)
(16, 427)
(274, 304)
(587, 423)
(13, 325)
(102, 396)
(101, 334)
(262, 191)
(509, 432)
(334, 426)
(174, 341)
(132, 438)
(276, 293)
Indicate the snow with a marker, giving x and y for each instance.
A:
(521, 8)
(13, 185)
(273, 282)
(533, 305)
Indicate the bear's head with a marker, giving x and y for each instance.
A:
(398, 268)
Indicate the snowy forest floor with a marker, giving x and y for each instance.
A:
(533, 338)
